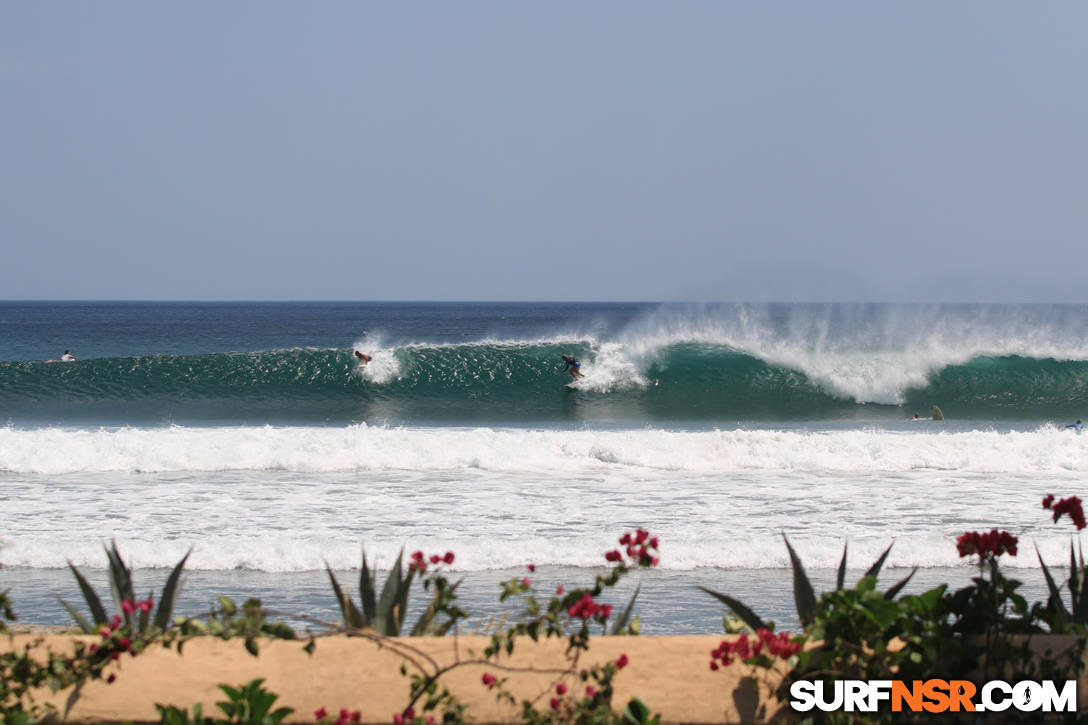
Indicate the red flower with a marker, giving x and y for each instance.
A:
(147, 604)
(622, 661)
(356, 716)
(115, 622)
(555, 703)
(613, 555)
(128, 607)
(125, 643)
(559, 590)
(435, 558)
(397, 719)
(1071, 506)
(526, 582)
(987, 545)
(1047, 500)
(448, 558)
(320, 713)
(532, 568)
(560, 689)
(110, 679)
(489, 679)
(606, 611)
(590, 690)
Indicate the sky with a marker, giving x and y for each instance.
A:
(736, 151)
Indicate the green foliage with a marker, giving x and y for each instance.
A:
(1075, 617)
(228, 620)
(385, 614)
(804, 595)
(136, 618)
(248, 704)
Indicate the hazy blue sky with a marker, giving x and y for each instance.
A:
(561, 150)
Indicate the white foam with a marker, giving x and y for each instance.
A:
(360, 447)
(874, 358)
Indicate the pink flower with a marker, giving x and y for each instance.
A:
(448, 558)
(320, 713)
(435, 558)
(397, 719)
(606, 611)
(613, 555)
(622, 661)
(526, 582)
(590, 690)
(559, 590)
(125, 643)
(584, 608)
(489, 679)
(532, 568)
(560, 689)
(555, 703)
(115, 622)
(147, 605)
(418, 563)
(128, 607)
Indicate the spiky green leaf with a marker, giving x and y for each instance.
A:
(169, 595)
(85, 626)
(620, 625)
(840, 579)
(750, 619)
(898, 586)
(874, 570)
(367, 593)
(98, 612)
(1056, 602)
(804, 596)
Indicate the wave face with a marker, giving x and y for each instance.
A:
(673, 363)
(522, 382)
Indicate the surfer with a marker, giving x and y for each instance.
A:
(575, 367)
(1078, 426)
(363, 357)
(67, 356)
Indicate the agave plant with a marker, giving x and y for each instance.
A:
(804, 596)
(1077, 613)
(385, 614)
(624, 623)
(135, 615)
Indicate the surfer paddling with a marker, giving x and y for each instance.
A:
(363, 357)
(67, 356)
(573, 366)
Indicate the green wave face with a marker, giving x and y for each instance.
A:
(511, 383)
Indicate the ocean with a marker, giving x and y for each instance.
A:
(250, 433)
